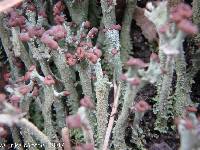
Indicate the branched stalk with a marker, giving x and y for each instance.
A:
(67, 78)
(112, 37)
(121, 124)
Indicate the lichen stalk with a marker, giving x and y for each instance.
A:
(67, 78)
(182, 92)
(86, 127)
(24, 123)
(19, 49)
(84, 71)
(163, 103)
(125, 38)
(112, 37)
(78, 10)
(46, 111)
(7, 44)
(121, 124)
(102, 89)
(196, 39)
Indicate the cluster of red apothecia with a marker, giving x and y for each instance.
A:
(181, 15)
(51, 36)
(24, 89)
(93, 54)
(57, 10)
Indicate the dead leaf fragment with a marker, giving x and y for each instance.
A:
(147, 27)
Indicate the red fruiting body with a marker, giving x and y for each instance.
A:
(180, 12)
(136, 62)
(3, 132)
(164, 28)
(89, 44)
(31, 7)
(35, 31)
(93, 77)
(80, 53)
(110, 2)
(35, 91)
(24, 37)
(15, 98)
(74, 39)
(188, 124)
(33, 67)
(114, 51)
(24, 90)
(92, 33)
(83, 35)
(58, 8)
(187, 27)
(58, 32)
(67, 55)
(176, 17)
(72, 24)
(191, 109)
(92, 57)
(46, 39)
(16, 20)
(71, 59)
(42, 13)
(87, 102)
(27, 76)
(17, 62)
(87, 24)
(135, 82)
(52, 44)
(142, 106)
(59, 19)
(154, 57)
(2, 97)
(123, 77)
(66, 93)
(73, 121)
(116, 27)
(6, 76)
(105, 30)
(48, 80)
(184, 10)
(176, 121)
(81, 44)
